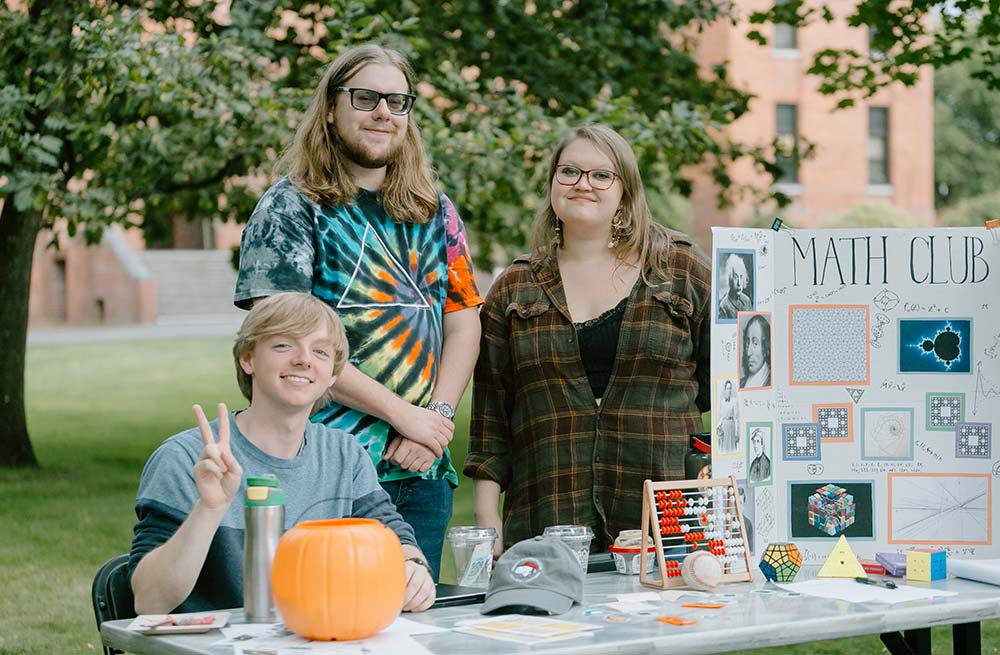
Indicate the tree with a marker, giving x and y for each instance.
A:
(108, 117)
(904, 36)
(966, 135)
(129, 111)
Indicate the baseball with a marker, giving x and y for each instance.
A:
(701, 570)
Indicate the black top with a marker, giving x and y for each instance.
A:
(598, 339)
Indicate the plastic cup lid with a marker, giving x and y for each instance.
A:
(471, 532)
(569, 531)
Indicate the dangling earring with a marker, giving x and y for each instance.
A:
(559, 234)
(617, 230)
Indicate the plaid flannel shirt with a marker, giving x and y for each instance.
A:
(536, 427)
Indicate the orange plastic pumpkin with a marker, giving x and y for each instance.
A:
(338, 579)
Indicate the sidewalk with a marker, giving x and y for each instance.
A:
(195, 326)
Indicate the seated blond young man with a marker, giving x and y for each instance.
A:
(187, 552)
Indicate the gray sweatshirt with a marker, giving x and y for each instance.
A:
(332, 477)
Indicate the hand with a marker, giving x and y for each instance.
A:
(409, 455)
(493, 521)
(426, 427)
(217, 473)
(420, 592)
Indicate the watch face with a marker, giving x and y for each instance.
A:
(442, 408)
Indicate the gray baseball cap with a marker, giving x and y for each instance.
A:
(542, 572)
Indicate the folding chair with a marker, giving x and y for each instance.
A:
(112, 594)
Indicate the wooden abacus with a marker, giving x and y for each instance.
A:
(681, 517)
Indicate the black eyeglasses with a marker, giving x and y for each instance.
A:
(599, 178)
(367, 100)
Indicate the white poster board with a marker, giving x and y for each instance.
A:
(856, 386)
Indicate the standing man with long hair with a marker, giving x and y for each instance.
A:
(358, 222)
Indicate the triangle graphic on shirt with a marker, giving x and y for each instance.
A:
(379, 280)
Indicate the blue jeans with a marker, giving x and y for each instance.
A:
(426, 506)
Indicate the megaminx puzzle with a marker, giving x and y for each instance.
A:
(681, 517)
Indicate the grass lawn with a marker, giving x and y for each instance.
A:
(95, 414)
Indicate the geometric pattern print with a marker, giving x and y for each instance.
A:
(945, 410)
(887, 433)
(801, 441)
(835, 422)
(973, 440)
(855, 394)
(829, 344)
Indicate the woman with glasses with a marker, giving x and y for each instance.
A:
(594, 358)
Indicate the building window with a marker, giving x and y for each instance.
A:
(878, 145)
(873, 52)
(787, 141)
(785, 36)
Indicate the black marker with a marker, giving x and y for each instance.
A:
(889, 584)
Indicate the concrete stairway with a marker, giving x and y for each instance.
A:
(193, 285)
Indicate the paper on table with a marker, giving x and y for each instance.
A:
(527, 625)
(853, 592)
(255, 629)
(639, 597)
(627, 608)
(403, 626)
(517, 638)
(245, 631)
(671, 595)
(525, 629)
(983, 570)
(191, 622)
(382, 643)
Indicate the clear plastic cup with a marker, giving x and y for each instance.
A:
(577, 537)
(472, 550)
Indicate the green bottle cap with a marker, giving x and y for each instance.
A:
(263, 491)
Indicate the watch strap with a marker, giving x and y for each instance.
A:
(422, 562)
(442, 408)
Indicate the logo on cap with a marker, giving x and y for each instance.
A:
(526, 569)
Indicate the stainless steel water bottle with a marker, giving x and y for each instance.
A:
(264, 520)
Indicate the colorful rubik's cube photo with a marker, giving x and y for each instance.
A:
(780, 562)
(926, 564)
(831, 509)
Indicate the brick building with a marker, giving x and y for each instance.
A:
(882, 149)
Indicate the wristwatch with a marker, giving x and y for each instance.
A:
(420, 560)
(442, 408)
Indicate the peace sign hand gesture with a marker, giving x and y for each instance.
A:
(217, 473)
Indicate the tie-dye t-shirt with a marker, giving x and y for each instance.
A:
(391, 284)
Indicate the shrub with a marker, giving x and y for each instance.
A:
(972, 211)
(872, 214)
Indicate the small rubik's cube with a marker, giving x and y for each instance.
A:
(926, 564)
(831, 509)
(780, 562)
